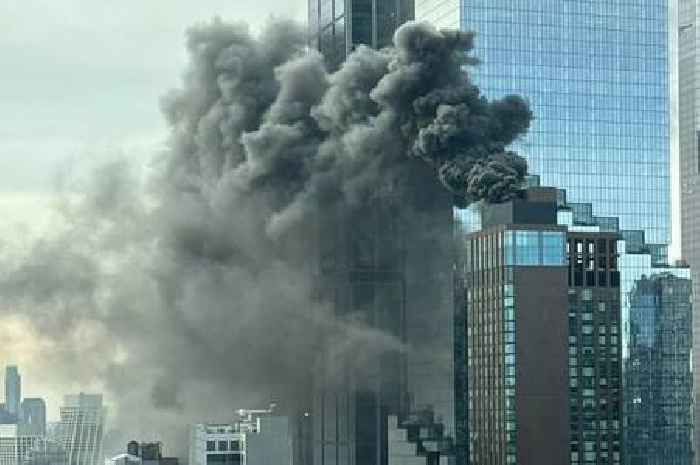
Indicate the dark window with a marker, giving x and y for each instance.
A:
(590, 278)
(602, 279)
(223, 446)
(235, 446)
(211, 446)
(578, 278)
(602, 246)
(224, 459)
(602, 262)
(615, 279)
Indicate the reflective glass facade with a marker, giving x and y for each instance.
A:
(596, 74)
(657, 426)
(337, 26)
(658, 378)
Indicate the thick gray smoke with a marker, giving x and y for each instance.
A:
(194, 293)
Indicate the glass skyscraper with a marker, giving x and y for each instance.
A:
(13, 391)
(596, 75)
(337, 26)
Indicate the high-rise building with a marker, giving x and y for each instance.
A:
(596, 74)
(628, 327)
(595, 347)
(336, 27)
(658, 378)
(516, 288)
(13, 391)
(34, 416)
(388, 265)
(688, 163)
(81, 428)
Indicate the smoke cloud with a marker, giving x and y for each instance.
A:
(193, 293)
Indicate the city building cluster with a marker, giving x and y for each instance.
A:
(558, 327)
(554, 328)
(27, 439)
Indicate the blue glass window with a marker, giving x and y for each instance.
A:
(527, 248)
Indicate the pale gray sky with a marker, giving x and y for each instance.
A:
(80, 79)
(83, 77)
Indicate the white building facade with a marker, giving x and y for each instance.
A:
(81, 429)
(257, 438)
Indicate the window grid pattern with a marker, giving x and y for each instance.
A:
(595, 354)
(596, 75)
(490, 351)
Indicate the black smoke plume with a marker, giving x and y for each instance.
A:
(192, 294)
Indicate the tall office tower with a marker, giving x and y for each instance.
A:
(596, 75)
(659, 381)
(34, 416)
(386, 264)
(689, 165)
(336, 27)
(13, 391)
(81, 428)
(516, 286)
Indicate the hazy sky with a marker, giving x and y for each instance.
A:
(82, 79)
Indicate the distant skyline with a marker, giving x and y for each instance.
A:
(82, 80)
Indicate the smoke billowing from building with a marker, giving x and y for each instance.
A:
(194, 291)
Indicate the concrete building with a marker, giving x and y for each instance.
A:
(81, 428)
(34, 416)
(258, 437)
(336, 27)
(13, 391)
(688, 162)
